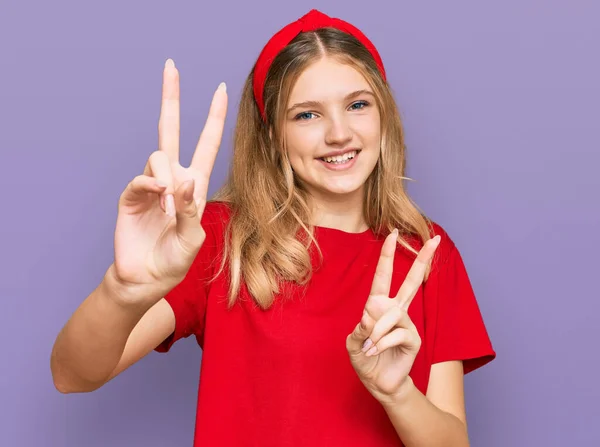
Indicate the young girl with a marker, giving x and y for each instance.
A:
(329, 309)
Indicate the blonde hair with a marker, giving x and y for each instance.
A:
(264, 242)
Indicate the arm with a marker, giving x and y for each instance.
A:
(157, 237)
(104, 337)
(435, 420)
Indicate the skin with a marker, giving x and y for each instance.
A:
(324, 114)
(383, 347)
(336, 122)
(125, 317)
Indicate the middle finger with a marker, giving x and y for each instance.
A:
(205, 154)
(416, 274)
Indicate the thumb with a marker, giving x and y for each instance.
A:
(188, 226)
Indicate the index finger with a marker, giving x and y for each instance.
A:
(416, 274)
(168, 123)
(382, 280)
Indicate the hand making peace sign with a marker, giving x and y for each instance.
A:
(383, 346)
(158, 231)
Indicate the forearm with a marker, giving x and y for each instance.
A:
(419, 423)
(91, 343)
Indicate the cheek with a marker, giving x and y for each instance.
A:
(302, 142)
(369, 130)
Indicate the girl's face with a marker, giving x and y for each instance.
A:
(332, 130)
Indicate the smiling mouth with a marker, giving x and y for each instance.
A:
(340, 159)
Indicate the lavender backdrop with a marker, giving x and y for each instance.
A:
(500, 102)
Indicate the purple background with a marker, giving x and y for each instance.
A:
(500, 103)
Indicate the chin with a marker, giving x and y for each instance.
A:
(341, 188)
(346, 184)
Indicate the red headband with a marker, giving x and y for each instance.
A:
(309, 22)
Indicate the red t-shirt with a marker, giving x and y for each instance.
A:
(282, 377)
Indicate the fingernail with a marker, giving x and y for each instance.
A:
(437, 239)
(170, 205)
(371, 351)
(160, 184)
(169, 63)
(395, 232)
(367, 344)
(222, 86)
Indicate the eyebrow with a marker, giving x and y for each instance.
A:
(318, 103)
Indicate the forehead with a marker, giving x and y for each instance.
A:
(327, 79)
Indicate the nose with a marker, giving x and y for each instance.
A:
(338, 131)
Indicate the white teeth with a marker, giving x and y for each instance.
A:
(341, 158)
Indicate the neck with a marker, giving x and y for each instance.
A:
(344, 214)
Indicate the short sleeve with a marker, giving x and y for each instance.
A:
(189, 298)
(459, 329)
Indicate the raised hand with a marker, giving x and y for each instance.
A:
(383, 346)
(158, 231)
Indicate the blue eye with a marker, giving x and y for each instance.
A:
(303, 115)
(359, 103)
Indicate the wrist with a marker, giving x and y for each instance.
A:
(401, 397)
(129, 297)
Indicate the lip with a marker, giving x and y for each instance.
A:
(340, 167)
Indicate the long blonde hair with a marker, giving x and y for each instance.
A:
(269, 207)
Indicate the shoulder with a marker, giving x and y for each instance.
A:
(217, 210)
(435, 229)
(214, 221)
(448, 256)
(446, 250)
(447, 243)
(216, 215)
